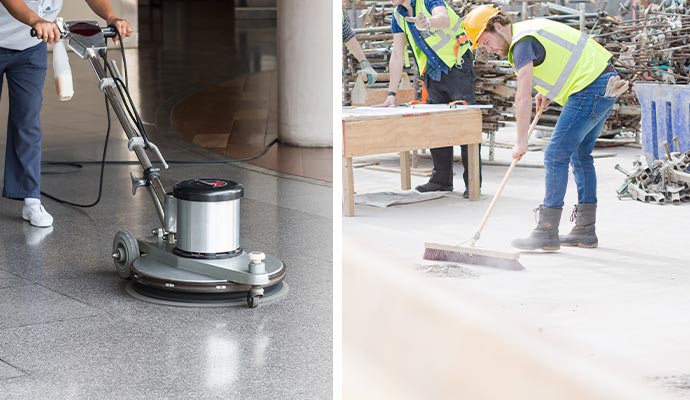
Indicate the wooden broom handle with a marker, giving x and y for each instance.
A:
(503, 184)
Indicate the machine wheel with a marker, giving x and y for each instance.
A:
(253, 297)
(125, 251)
(253, 300)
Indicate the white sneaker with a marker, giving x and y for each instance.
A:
(37, 216)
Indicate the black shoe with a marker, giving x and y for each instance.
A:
(433, 187)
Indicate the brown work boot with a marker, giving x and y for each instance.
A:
(545, 235)
(583, 233)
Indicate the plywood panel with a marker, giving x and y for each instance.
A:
(372, 130)
(393, 134)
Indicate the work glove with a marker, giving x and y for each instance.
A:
(421, 22)
(367, 72)
(616, 87)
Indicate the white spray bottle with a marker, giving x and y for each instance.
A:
(62, 71)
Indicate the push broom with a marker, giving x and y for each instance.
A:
(470, 254)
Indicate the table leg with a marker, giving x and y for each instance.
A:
(405, 180)
(348, 187)
(492, 144)
(473, 173)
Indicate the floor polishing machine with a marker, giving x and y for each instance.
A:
(194, 257)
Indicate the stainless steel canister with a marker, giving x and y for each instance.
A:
(208, 216)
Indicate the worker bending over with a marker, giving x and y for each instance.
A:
(566, 66)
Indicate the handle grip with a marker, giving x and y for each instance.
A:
(33, 33)
(108, 31)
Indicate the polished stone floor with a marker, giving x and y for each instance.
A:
(68, 329)
(204, 119)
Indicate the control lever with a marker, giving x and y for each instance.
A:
(158, 154)
(137, 183)
(138, 141)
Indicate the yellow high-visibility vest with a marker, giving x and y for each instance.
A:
(573, 60)
(449, 44)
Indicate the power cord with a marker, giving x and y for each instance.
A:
(100, 183)
(124, 57)
(124, 87)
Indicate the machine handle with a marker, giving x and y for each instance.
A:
(33, 33)
(108, 31)
(158, 154)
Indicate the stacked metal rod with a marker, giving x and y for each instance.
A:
(372, 30)
(652, 47)
(660, 182)
(377, 41)
(495, 85)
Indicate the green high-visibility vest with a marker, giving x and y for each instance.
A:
(573, 59)
(449, 44)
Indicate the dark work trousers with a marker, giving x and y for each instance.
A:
(26, 73)
(458, 84)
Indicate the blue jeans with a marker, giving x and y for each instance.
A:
(26, 72)
(572, 142)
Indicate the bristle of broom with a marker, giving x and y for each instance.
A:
(472, 255)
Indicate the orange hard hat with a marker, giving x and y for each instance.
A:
(476, 21)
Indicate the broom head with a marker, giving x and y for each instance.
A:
(472, 255)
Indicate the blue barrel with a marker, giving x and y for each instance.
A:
(665, 114)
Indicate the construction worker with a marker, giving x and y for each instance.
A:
(444, 60)
(571, 69)
(367, 72)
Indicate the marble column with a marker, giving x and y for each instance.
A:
(305, 72)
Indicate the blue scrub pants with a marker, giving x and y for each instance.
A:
(25, 71)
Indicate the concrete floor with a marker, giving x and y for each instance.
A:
(67, 327)
(625, 302)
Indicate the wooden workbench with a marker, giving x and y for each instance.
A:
(374, 130)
